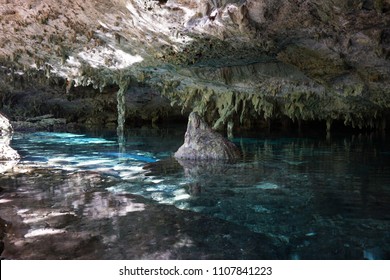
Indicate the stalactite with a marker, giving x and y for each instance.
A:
(328, 125)
(121, 109)
(230, 129)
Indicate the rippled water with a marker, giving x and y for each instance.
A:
(312, 197)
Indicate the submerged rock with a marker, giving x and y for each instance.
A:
(202, 143)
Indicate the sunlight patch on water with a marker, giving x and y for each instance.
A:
(67, 139)
(132, 168)
(152, 189)
(156, 181)
(294, 162)
(93, 162)
(183, 196)
(22, 211)
(43, 231)
(58, 135)
(170, 194)
(35, 218)
(137, 156)
(72, 152)
(267, 186)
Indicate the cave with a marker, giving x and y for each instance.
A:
(98, 94)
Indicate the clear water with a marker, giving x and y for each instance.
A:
(313, 197)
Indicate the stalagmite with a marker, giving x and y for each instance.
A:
(202, 143)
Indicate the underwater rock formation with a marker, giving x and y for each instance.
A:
(202, 143)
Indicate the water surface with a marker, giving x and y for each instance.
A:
(289, 197)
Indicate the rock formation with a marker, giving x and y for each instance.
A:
(238, 63)
(202, 143)
(8, 156)
(5, 126)
(6, 131)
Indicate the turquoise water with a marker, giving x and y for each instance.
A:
(313, 197)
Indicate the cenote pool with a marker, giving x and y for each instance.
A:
(83, 196)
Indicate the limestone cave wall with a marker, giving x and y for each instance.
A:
(241, 64)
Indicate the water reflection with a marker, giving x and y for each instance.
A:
(72, 217)
(317, 198)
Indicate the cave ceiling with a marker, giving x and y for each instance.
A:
(194, 51)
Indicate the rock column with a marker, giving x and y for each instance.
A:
(202, 143)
